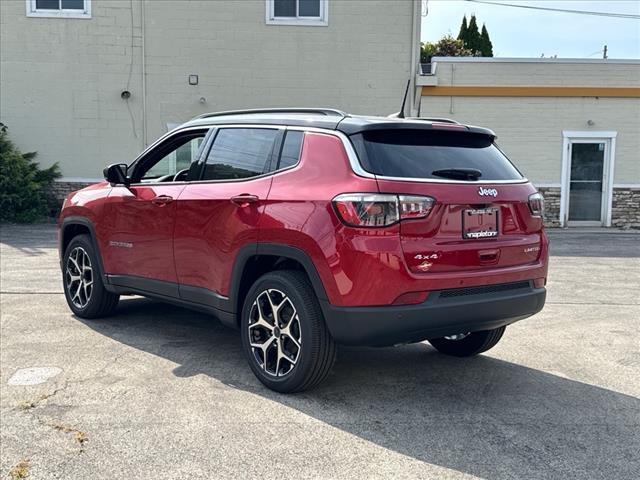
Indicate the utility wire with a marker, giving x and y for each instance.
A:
(561, 10)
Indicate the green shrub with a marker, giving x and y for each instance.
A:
(25, 189)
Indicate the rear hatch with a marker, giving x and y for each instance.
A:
(481, 218)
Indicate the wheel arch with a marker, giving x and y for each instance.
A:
(73, 226)
(255, 260)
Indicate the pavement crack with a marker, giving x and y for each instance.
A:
(28, 405)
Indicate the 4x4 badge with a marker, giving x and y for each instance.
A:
(483, 192)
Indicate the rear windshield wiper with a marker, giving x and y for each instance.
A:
(458, 173)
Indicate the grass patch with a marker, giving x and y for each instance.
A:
(21, 470)
(30, 404)
(78, 435)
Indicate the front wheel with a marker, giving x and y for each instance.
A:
(82, 281)
(284, 336)
(468, 344)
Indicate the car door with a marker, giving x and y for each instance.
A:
(141, 217)
(219, 214)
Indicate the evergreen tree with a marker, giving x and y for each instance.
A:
(464, 30)
(486, 49)
(25, 188)
(472, 42)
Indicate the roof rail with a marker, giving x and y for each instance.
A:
(435, 119)
(312, 111)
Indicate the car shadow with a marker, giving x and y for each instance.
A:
(482, 416)
(577, 244)
(31, 240)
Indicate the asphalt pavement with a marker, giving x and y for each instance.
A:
(158, 392)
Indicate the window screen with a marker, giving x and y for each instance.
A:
(284, 8)
(291, 147)
(296, 8)
(309, 8)
(60, 4)
(239, 153)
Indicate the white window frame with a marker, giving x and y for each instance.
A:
(321, 21)
(32, 11)
(608, 170)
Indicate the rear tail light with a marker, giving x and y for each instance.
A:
(536, 204)
(380, 210)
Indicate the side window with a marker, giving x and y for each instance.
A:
(177, 159)
(240, 153)
(59, 8)
(291, 147)
(297, 12)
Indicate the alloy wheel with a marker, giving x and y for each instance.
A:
(457, 337)
(79, 277)
(274, 333)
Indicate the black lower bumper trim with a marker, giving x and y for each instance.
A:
(440, 315)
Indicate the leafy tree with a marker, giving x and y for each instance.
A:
(447, 46)
(486, 47)
(464, 29)
(25, 189)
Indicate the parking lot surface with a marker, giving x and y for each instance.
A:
(161, 392)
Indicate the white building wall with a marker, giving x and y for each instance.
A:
(61, 79)
(530, 129)
(540, 72)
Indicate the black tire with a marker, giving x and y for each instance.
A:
(317, 351)
(473, 344)
(99, 302)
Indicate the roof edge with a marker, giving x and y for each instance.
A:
(597, 61)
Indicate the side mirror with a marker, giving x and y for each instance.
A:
(116, 174)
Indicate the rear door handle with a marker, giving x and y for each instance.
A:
(162, 200)
(244, 200)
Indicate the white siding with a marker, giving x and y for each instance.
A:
(530, 129)
(61, 78)
(549, 73)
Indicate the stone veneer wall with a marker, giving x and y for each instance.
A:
(61, 189)
(551, 205)
(625, 207)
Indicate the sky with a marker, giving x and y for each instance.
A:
(517, 32)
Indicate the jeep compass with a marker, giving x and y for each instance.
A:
(307, 228)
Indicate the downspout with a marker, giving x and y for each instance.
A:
(144, 76)
(415, 56)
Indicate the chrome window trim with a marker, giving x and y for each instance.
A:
(354, 162)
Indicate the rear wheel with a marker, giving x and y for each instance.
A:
(284, 336)
(468, 344)
(82, 281)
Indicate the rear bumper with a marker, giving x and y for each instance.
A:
(445, 312)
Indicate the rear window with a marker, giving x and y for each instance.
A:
(418, 153)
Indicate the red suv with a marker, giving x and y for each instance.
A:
(310, 227)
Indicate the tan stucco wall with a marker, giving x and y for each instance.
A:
(61, 78)
(530, 128)
(544, 73)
